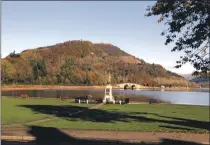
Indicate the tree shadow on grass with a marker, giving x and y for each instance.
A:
(53, 136)
(179, 121)
(82, 113)
(99, 115)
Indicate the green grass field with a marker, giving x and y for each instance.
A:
(138, 117)
(13, 113)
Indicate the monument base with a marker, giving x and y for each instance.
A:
(109, 101)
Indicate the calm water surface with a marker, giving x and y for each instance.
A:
(195, 97)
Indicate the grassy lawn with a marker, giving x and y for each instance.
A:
(138, 117)
(14, 113)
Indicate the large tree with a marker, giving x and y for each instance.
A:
(8, 71)
(188, 27)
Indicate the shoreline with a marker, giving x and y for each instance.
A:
(59, 87)
(48, 87)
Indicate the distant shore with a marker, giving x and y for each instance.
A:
(58, 87)
(48, 87)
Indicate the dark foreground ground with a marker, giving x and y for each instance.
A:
(36, 135)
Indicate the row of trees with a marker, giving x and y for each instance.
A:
(36, 73)
(71, 73)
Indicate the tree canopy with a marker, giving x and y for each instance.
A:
(188, 27)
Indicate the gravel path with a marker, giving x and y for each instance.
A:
(21, 134)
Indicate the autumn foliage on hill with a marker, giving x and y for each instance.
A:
(83, 63)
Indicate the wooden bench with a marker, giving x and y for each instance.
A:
(81, 99)
(126, 101)
(63, 98)
(153, 101)
(99, 100)
(24, 96)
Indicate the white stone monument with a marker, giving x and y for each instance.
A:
(108, 95)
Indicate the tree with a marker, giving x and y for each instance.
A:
(38, 68)
(7, 71)
(67, 70)
(153, 73)
(14, 55)
(188, 24)
(87, 80)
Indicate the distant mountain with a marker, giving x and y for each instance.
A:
(199, 79)
(188, 76)
(203, 82)
(81, 62)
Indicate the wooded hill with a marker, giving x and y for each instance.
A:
(81, 62)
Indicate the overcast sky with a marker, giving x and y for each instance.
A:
(28, 25)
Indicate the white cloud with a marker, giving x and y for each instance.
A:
(185, 69)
